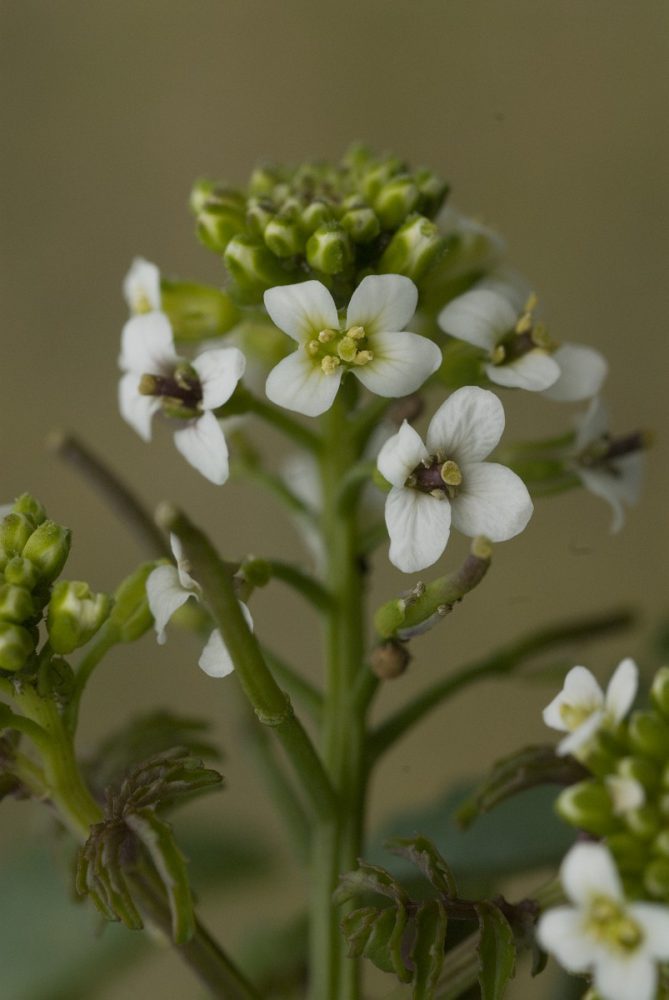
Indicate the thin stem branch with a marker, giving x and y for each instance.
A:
(244, 401)
(105, 640)
(501, 663)
(273, 484)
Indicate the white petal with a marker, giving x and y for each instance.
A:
(654, 918)
(510, 284)
(141, 286)
(620, 977)
(582, 373)
(165, 595)
(589, 870)
(581, 736)
(419, 526)
(481, 317)
(183, 566)
(298, 384)
(467, 426)
(625, 793)
(302, 310)
(136, 409)
(402, 362)
(617, 485)
(215, 658)
(591, 425)
(147, 345)
(382, 302)
(622, 689)
(202, 443)
(533, 371)
(400, 455)
(580, 690)
(561, 932)
(219, 372)
(492, 501)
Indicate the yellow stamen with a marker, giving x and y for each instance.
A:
(313, 347)
(363, 358)
(450, 473)
(330, 364)
(498, 354)
(325, 336)
(356, 332)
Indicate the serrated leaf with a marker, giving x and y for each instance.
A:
(156, 836)
(421, 852)
(496, 950)
(368, 878)
(356, 927)
(384, 944)
(427, 953)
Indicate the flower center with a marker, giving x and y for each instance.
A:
(141, 303)
(574, 716)
(332, 348)
(605, 450)
(526, 336)
(439, 478)
(608, 922)
(178, 392)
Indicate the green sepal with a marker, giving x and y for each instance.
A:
(427, 953)
(16, 646)
(587, 805)
(75, 614)
(32, 508)
(197, 312)
(253, 268)
(496, 951)
(47, 549)
(329, 249)
(21, 573)
(15, 530)
(16, 604)
(421, 852)
(130, 615)
(356, 927)
(414, 249)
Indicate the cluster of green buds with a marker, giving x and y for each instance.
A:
(332, 222)
(33, 551)
(625, 800)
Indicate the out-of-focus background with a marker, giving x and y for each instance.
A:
(549, 119)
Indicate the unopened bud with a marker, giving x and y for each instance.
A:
(256, 572)
(389, 660)
(414, 248)
(16, 604)
(263, 180)
(284, 238)
(656, 878)
(221, 217)
(197, 312)
(74, 615)
(47, 549)
(16, 645)
(395, 201)
(640, 769)
(659, 692)
(259, 213)
(361, 224)
(32, 508)
(253, 267)
(587, 805)
(379, 174)
(649, 734)
(316, 214)
(433, 191)
(643, 822)
(15, 530)
(21, 572)
(329, 249)
(130, 616)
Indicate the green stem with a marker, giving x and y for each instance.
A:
(105, 640)
(302, 582)
(498, 664)
(270, 703)
(274, 485)
(244, 401)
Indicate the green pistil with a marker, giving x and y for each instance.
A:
(609, 923)
(179, 393)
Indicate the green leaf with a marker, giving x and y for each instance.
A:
(356, 927)
(383, 944)
(156, 835)
(497, 951)
(369, 878)
(421, 852)
(427, 953)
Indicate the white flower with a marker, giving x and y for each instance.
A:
(473, 247)
(154, 372)
(618, 942)
(141, 287)
(581, 707)
(520, 354)
(387, 362)
(167, 588)
(448, 481)
(626, 793)
(611, 468)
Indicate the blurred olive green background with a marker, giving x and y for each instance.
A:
(549, 117)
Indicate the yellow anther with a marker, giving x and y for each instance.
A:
(628, 933)
(450, 473)
(524, 323)
(498, 354)
(363, 358)
(325, 336)
(330, 364)
(142, 304)
(531, 303)
(540, 336)
(346, 349)
(313, 347)
(438, 494)
(356, 332)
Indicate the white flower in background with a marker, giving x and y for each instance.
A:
(167, 589)
(372, 345)
(141, 287)
(157, 378)
(448, 481)
(473, 246)
(520, 353)
(611, 468)
(626, 793)
(617, 942)
(581, 707)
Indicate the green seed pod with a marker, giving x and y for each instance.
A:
(16, 604)
(16, 645)
(48, 548)
(329, 249)
(659, 692)
(649, 735)
(656, 878)
(587, 805)
(74, 615)
(413, 250)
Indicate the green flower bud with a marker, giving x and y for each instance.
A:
(283, 237)
(649, 735)
(197, 312)
(32, 508)
(661, 843)
(130, 616)
(316, 214)
(630, 853)
(641, 769)
(48, 548)
(253, 267)
(21, 572)
(201, 192)
(587, 805)
(16, 645)
(16, 604)
(15, 530)
(413, 250)
(395, 201)
(259, 213)
(256, 572)
(263, 180)
(74, 615)
(659, 692)
(329, 249)
(432, 190)
(378, 175)
(656, 878)
(644, 822)
(361, 224)
(220, 218)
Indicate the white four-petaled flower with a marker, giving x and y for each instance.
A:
(447, 481)
(618, 942)
(141, 287)
(167, 589)
(373, 344)
(520, 355)
(150, 363)
(581, 707)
